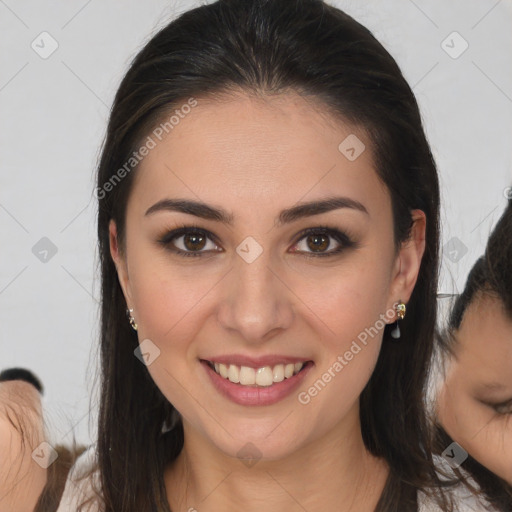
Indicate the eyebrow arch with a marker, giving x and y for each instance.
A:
(286, 216)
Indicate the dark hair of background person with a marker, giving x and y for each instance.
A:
(22, 374)
(491, 275)
(267, 48)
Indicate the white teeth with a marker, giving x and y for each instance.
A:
(247, 376)
(234, 374)
(264, 376)
(288, 370)
(278, 373)
(223, 370)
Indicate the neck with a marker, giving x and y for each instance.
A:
(204, 479)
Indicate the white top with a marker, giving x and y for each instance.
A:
(460, 494)
(75, 492)
(78, 490)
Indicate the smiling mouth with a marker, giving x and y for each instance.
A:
(264, 376)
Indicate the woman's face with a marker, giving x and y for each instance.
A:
(475, 403)
(257, 294)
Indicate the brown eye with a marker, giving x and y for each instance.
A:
(188, 241)
(318, 240)
(194, 241)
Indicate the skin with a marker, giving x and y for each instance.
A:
(21, 430)
(255, 157)
(483, 358)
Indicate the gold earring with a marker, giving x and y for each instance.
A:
(400, 313)
(131, 318)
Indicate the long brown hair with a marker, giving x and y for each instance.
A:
(268, 47)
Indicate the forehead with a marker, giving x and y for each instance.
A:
(484, 339)
(255, 151)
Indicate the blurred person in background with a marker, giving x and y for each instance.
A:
(474, 403)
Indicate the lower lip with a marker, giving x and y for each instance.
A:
(264, 395)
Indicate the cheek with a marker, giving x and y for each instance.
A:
(492, 445)
(164, 304)
(484, 435)
(461, 416)
(349, 318)
(349, 293)
(349, 322)
(167, 294)
(171, 311)
(352, 303)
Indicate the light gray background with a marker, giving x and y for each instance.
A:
(53, 118)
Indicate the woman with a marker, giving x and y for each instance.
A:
(32, 472)
(21, 434)
(268, 209)
(474, 403)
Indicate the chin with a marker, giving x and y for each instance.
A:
(254, 444)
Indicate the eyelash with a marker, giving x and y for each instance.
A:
(342, 238)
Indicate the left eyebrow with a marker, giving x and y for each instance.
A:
(286, 216)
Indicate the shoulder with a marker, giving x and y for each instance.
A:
(82, 485)
(461, 497)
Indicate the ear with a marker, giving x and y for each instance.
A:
(408, 261)
(120, 262)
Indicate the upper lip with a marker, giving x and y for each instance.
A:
(255, 362)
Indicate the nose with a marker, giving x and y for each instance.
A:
(257, 303)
